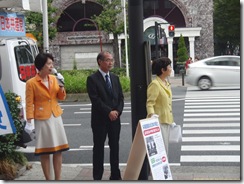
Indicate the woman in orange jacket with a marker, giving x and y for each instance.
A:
(42, 94)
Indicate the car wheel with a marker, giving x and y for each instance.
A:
(204, 83)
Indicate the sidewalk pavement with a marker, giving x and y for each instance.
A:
(73, 172)
(77, 172)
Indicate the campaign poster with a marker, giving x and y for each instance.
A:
(6, 121)
(12, 24)
(155, 148)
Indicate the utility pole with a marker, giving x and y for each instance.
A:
(137, 71)
(45, 26)
(156, 40)
(126, 45)
(46, 49)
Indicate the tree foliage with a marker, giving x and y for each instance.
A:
(34, 23)
(111, 21)
(226, 26)
(182, 50)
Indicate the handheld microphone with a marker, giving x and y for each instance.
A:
(58, 75)
(54, 71)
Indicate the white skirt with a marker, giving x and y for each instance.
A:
(50, 136)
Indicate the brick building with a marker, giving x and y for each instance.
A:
(78, 39)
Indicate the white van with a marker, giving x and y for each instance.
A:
(17, 56)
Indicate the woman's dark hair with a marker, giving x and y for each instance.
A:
(160, 63)
(41, 60)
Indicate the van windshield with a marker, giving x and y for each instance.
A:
(25, 62)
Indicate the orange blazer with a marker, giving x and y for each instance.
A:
(41, 102)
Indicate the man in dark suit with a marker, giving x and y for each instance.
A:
(107, 100)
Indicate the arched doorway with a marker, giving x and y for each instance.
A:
(74, 13)
(164, 9)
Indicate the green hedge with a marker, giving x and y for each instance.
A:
(8, 141)
(75, 80)
(10, 158)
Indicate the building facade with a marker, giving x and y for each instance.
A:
(79, 39)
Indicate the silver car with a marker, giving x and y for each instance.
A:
(214, 71)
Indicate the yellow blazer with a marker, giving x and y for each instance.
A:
(159, 101)
(41, 102)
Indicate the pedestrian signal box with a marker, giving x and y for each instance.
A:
(171, 29)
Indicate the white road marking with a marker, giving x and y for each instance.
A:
(210, 158)
(193, 125)
(210, 148)
(214, 103)
(89, 112)
(214, 100)
(211, 110)
(210, 139)
(210, 106)
(224, 131)
(72, 125)
(210, 114)
(225, 119)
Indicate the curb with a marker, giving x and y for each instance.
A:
(182, 173)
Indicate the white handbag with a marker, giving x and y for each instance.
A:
(175, 134)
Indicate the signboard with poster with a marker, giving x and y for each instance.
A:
(148, 140)
(156, 152)
(12, 24)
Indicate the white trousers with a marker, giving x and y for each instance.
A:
(165, 134)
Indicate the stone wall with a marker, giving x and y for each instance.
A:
(199, 14)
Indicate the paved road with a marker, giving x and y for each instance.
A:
(211, 128)
(206, 135)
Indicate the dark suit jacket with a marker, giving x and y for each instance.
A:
(102, 101)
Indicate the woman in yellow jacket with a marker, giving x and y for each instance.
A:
(159, 97)
(42, 94)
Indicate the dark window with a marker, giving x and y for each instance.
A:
(224, 62)
(77, 17)
(25, 62)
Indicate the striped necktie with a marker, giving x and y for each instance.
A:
(108, 84)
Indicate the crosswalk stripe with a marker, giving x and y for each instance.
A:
(210, 158)
(210, 139)
(211, 106)
(211, 97)
(211, 110)
(213, 119)
(211, 114)
(197, 125)
(211, 148)
(218, 131)
(211, 125)
(214, 103)
(213, 100)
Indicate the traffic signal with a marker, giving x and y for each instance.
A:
(171, 30)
